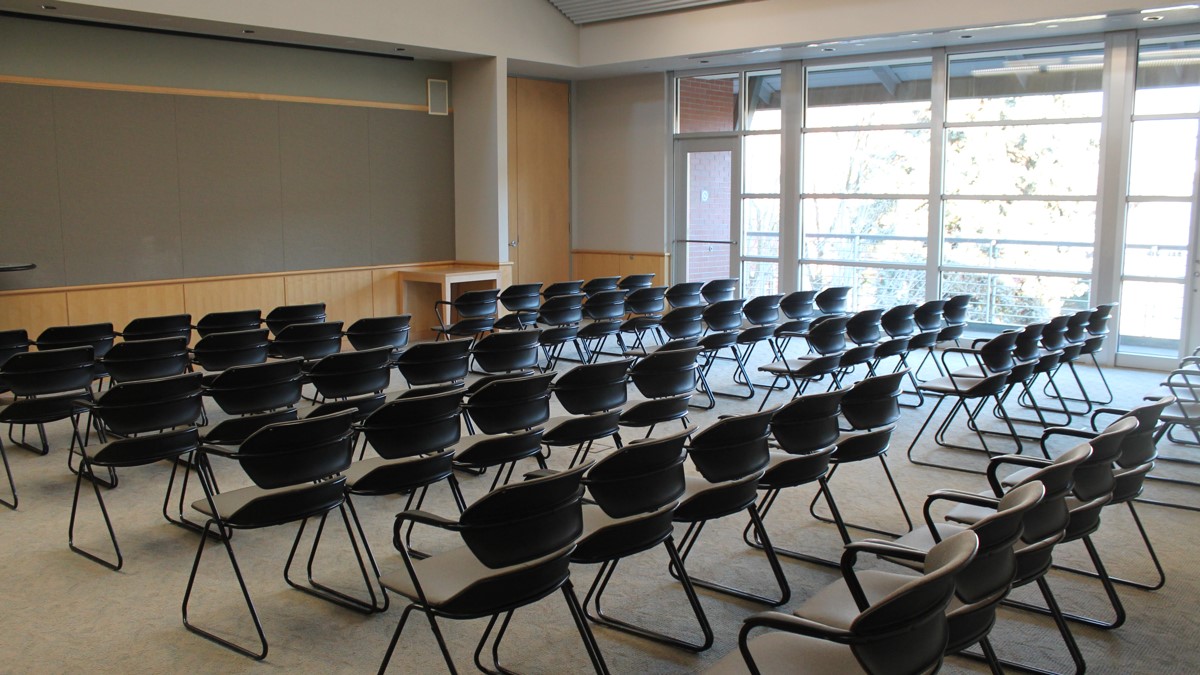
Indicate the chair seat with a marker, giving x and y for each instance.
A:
(44, 409)
(378, 475)
(253, 506)
(607, 538)
(657, 410)
(145, 449)
(922, 540)
(456, 582)
(704, 500)
(484, 450)
(575, 429)
(780, 652)
(953, 386)
(789, 470)
(834, 606)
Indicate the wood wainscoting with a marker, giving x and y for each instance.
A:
(349, 294)
(592, 264)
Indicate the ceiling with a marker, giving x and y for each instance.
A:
(591, 11)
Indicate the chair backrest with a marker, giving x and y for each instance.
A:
(98, 336)
(832, 300)
(380, 331)
(642, 477)
(150, 405)
(511, 403)
(435, 362)
(257, 388)
(808, 423)
(1054, 335)
(594, 286)
(997, 353)
(147, 359)
(218, 351)
(717, 290)
(157, 327)
(415, 425)
(521, 297)
(1140, 445)
(1027, 344)
(563, 288)
(13, 342)
(592, 388)
(683, 322)
(561, 310)
(352, 373)
(1048, 520)
(1077, 326)
(899, 321)
(929, 315)
(798, 305)
(228, 322)
(646, 300)
(909, 623)
(53, 371)
(633, 281)
(762, 310)
(865, 327)
(995, 564)
(525, 521)
(732, 448)
(724, 315)
(685, 294)
(476, 304)
(954, 312)
(309, 340)
(285, 315)
(1094, 477)
(666, 373)
(828, 336)
(303, 452)
(506, 352)
(605, 305)
(874, 402)
(1098, 325)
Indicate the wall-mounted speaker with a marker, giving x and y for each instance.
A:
(439, 97)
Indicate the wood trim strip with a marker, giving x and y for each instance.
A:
(591, 252)
(214, 93)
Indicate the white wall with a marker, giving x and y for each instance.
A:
(620, 161)
(479, 96)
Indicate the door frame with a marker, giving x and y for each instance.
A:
(682, 148)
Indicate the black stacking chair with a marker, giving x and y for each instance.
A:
(1054, 341)
(562, 288)
(685, 294)
(12, 342)
(633, 494)
(864, 330)
(954, 313)
(801, 373)
(761, 316)
(285, 315)
(351, 381)
(509, 413)
(928, 317)
(806, 431)
(147, 359)
(723, 321)
(731, 455)
(635, 281)
(1097, 333)
(521, 301)
(513, 351)
(380, 331)
(667, 378)
(718, 290)
(431, 363)
(898, 327)
(152, 420)
(229, 322)
(594, 395)
(799, 311)
(599, 285)
(644, 307)
(604, 312)
(476, 312)
(295, 468)
(47, 385)
(218, 351)
(158, 327)
(99, 336)
(681, 323)
(832, 300)
(900, 632)
(1029, 363)
(1075, 340)
(562, 315)
(308, 341)
(517, 544)
(245, 390)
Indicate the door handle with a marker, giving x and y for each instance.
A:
(512, 244)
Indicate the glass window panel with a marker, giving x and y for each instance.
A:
(760, 164)
(1018, 299)
(763, 110)
(873, 162)
(1168, 77)
(883, 93)
(760, 228)
(1052, 83)
(706, 262)
(1028, 235)
(1052, 159)
(869, 286)
(709, 183)
(1156, 238)
(759, 278)
(889, 230)
(708, 103)
(1151, 317)
(1163, 160)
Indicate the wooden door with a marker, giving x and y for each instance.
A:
(539, 180)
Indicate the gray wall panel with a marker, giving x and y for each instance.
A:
(412, 187)
(119, 178)
(326, 186)
(30, 226)
(230, 203)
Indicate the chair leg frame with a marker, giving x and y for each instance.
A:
(768, 500)
(1109, 589)
(943, 428)
(688, 540)
(85, 471)
(1158, 568)
(316, 589)
(836, 517)
(225, 539)
(12, 485)
(1064, 630)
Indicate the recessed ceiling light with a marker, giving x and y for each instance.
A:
(1053, 25)
(703, 61)
(860, 44)
(915, 42)
(399, 49)
(247, 31)
(810, 46)
(1169, 9)
(828, 49)
(50, 7)
(1152, 18)
(965, 37)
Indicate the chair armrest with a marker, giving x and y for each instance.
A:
(792, 624)
(958, 497)
(540, 473)
(218, 450)
(426, 518)
(878, 547)
(1064, 431)
(1017, 460)
(1115, 412)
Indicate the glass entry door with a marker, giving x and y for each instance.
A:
(707, 201)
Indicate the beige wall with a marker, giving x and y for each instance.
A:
(479, 96)
(620, 162)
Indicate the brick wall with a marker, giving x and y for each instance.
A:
(707, 105)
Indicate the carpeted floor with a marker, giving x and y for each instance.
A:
(63, 613)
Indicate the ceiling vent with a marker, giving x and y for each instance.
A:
(591, 11)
